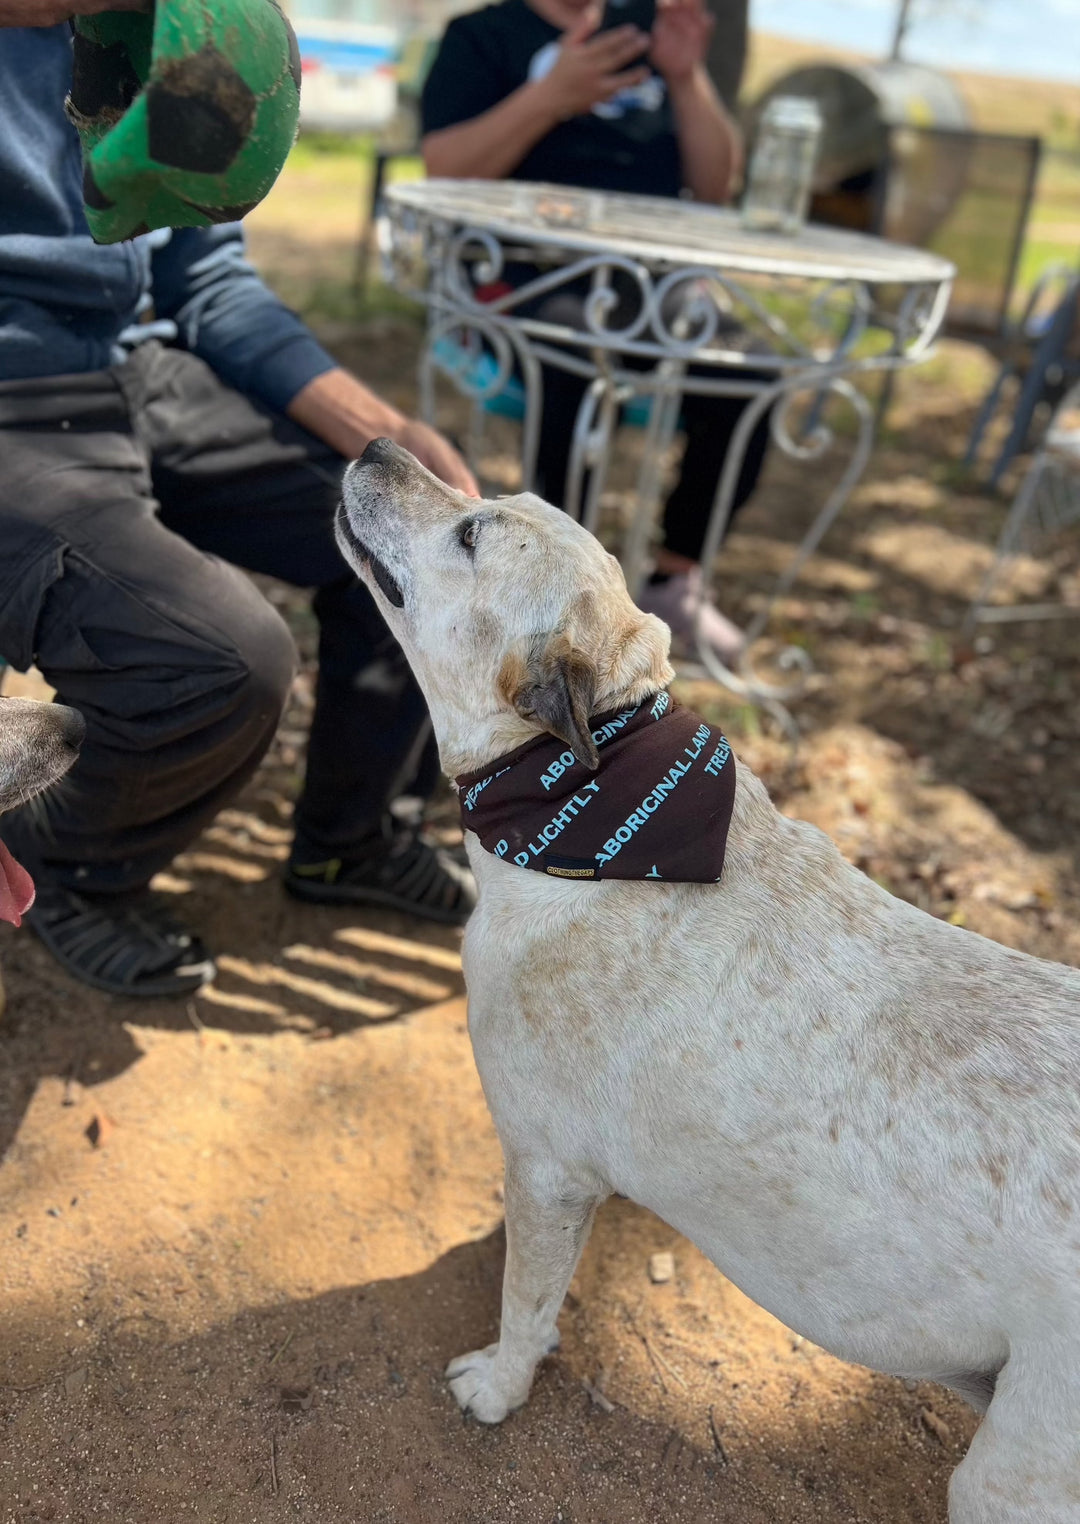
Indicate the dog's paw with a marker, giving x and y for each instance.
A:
(472, 1381)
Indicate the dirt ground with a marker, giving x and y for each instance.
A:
(242, 1235)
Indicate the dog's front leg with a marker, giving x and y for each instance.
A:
(548, 1217)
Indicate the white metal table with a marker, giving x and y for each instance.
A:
(667, 284)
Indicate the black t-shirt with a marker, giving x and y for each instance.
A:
(627, 144)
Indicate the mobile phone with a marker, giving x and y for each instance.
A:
(639, 13)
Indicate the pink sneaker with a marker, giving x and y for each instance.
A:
(675, 602)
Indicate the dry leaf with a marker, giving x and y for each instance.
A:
(937, 1426)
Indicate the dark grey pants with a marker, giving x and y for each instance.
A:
(128, 498)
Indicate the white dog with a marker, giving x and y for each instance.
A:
(867, 1118)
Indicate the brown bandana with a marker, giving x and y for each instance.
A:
(658, 806)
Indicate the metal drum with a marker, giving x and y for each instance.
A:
(861, 105)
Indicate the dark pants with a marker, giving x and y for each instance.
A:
(707, 423)
(119, 492)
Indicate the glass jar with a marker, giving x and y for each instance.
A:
(782, 164)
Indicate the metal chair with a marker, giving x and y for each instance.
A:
(1048, 502)
(968, 196)
(1043, 353)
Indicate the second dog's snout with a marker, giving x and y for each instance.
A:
(72, 726)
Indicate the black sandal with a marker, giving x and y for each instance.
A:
(127, 945)
(401, 872)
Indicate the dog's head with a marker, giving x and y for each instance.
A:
(38, 743)
(514, 618)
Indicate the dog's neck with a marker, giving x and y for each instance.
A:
(469, 743)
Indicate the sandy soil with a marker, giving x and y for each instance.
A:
(241, 1236)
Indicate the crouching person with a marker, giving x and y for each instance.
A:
(144, 464)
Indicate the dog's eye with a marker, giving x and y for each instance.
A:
(470, 532)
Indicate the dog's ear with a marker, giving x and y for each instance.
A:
(637, 655)
(556, 687)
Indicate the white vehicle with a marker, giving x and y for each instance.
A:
(349, 74)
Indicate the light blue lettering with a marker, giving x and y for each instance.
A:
(700, 736)
(556, 769)
(719, 757)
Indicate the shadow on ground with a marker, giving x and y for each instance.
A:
(283, 966)
(333, 1408)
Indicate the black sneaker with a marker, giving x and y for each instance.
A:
(400, 871)
(126, 944)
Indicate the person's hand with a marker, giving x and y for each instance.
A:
(590, 69)
(437, 453)
(680, 39)
(50, 12)
(347, 415)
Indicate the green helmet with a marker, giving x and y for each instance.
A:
(186, 116)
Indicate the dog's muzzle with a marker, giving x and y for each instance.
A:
(359, 550)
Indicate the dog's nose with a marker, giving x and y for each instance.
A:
(72, 726)
(379, 452)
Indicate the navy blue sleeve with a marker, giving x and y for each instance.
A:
(226, 316)
(465, 79)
